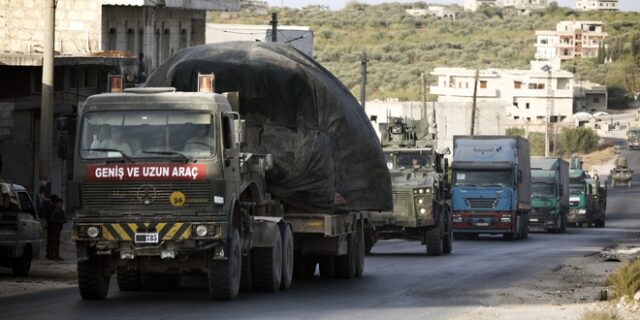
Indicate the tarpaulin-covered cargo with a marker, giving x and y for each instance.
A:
(321, 140)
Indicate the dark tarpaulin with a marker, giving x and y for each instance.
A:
(321, 140)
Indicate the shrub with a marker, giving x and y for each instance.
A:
(626, 280)
(515, 132)
(578, 140)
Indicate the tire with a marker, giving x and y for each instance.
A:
(563, 223)
(128, 280)
(224, 275)
(447, 246)
(267, 267)
(246, 276)
(287, 256)
(433, 239)
(93, 281)
(22, 264)
(346, 264)
(524, 231)
(327, 268)
(360, 247)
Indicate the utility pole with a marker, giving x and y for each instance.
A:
(46, 108)
(473, 106)
(423, 95)
(547, 68)
(363, 83)
(274, 27)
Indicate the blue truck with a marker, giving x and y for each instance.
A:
(491, 186)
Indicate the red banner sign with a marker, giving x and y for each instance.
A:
(146, 172)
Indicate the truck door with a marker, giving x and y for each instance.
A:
(230, 147)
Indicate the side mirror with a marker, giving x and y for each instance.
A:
(234, 100)
(239, 126)
(445, 151)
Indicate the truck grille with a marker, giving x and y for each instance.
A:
(540, 212)
(157, 195)
(481, 203)
(402, 195)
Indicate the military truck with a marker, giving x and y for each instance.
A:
(491, 187)
(583, 190)
(549, 194)
(621, 174)
(419, 177)
(163, 185)
(20, 229)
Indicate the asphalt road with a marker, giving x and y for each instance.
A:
(400, 282)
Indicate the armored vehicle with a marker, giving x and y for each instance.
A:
(621, 174)
(20, 230)
(419, 177)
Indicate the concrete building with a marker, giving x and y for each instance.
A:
(473, 5)
(570, 40)
(299, 37)
(525, 5)
(442, 12)
(526, 92)
(93, 38)
(590, 97)
(597, 5)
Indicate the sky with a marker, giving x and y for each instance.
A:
(625, 5)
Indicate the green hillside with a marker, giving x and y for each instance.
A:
(401, 46)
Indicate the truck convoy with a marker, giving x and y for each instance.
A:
(491, 186)
(587, 198)
(421, 195)
(236, 186)
(549, 194)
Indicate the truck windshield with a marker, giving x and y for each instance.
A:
(634, 133)
(543, 188)
(137, 134)
(415, 160)
(576, 186)
(483, 178)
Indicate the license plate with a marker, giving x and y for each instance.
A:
(482, 224)
(533, 220)
(146, 238)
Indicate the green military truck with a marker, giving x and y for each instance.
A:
(549, 194)
(587, 198)
(419, 177)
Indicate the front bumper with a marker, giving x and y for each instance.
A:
(164, 239)
(577, 215)
(543, 218)
(484, 222)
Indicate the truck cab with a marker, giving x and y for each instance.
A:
(549, 194)
(419, 178)
(20, 229)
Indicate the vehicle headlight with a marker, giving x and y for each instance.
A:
(420, 201)
(582, 211)
(201, 230)
(93, 231)
(423, 210)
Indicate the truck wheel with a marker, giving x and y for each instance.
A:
(224, 275)
(346, 264)
(287, 256)
(267, 267)
(93, 280)
(22, 264)
(327, 267)
(246, 276)
(369, 239)
(524, 231)
(433, 239)
(629, 185)
(360, 245)
(447, 246)
(128, 280)
(563, 224)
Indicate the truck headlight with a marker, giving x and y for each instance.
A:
(420, 201)
(506, 218)
(582, 211)
(423, 210)
(93, 231)
(457, 218)
(201, 230)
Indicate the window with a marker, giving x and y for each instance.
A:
(113, 38)
(483, 84)
(157, 53)
(131, 39)
(596, 100)
(183, 39)
(140, 41)
(516, 117)
(517, 84)
(527, 105)
(515, 104)
(25, 203)
(544, 41)
(166, 44)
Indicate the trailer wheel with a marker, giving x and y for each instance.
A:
(447, 246)
(287, 256)
(224, 275)
(360, 245)
(524, 232)
(22, 264)
(93, 281)
(267, 266)
(128, 280)
(327, 267)
(346, 264)
(433, 239)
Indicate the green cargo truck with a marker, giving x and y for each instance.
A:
(549, 194)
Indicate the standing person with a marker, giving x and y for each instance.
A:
(57, 219)
(47, 208)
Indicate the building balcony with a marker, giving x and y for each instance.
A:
(463, 92)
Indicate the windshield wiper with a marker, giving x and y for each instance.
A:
(122, 154)
(186, 158)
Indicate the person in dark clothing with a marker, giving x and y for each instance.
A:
(55, 223)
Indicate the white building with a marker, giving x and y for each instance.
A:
(527, 92)
(597, 5)
(570, 40)
(437, 11)
(299, 37)
(473, 5)
(526, 5)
